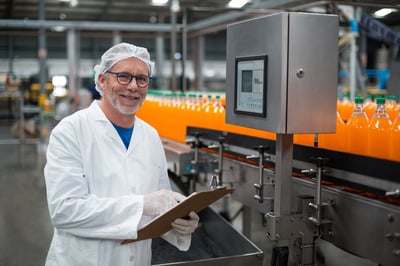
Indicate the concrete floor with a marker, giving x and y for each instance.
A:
(25, 227)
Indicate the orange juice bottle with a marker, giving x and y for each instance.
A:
(357, 129)
(190, 106)
(333, 141)
(197, 115)
(391, 107)
(345, 107)
(369, 106)
(218, 115)
(379, 132)
(395, 139)
(175, 124)
(182, 116)
(164, 115)
(206, 111)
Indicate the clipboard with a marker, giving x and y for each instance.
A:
(196, 202)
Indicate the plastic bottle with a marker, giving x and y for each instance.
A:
(345, 107)
(395, 139)
(391, 107)
(163, 115)
(198, 120)
(206, 111)
(182, 116)
(334, 141)
(218, 113)
(379, 132)
(175, 124)
(369, 106)
(357, 129)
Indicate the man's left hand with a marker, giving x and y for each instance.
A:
(186, 226)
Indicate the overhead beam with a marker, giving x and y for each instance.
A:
(87, 25)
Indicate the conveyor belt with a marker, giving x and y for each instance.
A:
(363, 165)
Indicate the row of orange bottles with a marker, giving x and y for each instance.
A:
(345, 106)
(172, 113)
(375, 137)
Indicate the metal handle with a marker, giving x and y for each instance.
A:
(259, 196)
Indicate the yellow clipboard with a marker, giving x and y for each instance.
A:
(196, 202)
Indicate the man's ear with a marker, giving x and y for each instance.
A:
(102, 80)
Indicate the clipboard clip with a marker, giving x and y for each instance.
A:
(214, 184)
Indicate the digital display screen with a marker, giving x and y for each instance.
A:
(251, 85)
(247, 81)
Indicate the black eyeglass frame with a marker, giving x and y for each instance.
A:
(131, 78)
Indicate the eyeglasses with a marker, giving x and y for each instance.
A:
(124, 78)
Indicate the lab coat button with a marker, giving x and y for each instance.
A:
(132, 258)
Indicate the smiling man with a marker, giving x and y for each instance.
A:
(106, 172)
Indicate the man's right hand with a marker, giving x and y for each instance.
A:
(160, 201)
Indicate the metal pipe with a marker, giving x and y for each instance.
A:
(117, 37)
(10, 53)
(198, 62)
(73, 55)
(160, 61)
(184, 49)
(85, 25)
(174, 10)
(42, 53)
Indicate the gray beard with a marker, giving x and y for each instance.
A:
(119, 109)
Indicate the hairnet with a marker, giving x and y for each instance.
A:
(117, 53)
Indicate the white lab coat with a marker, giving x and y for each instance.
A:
(95, 189)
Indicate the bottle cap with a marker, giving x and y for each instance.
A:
(359, 100)
(380, 100)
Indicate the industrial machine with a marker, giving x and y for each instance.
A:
(288, 87)
(320, 207)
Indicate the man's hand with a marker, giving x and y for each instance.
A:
(160, 201)
(186, 226)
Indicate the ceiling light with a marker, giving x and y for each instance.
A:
(72, 3)
(237, 3)
(159, 2)
(383, 12)
(58, 28)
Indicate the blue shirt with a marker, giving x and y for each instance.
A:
(125, 134)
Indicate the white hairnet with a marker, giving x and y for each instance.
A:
(117, 53)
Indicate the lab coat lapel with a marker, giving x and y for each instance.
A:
(137, 135)
(102, 123)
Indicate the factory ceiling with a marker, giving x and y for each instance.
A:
(199, 15)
